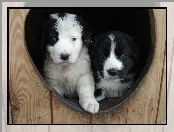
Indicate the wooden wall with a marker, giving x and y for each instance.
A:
(31, 103)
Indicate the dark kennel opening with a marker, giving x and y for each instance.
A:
(133, 21)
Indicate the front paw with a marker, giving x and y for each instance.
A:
(90, 105)
(101, 96)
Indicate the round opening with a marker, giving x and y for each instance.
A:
(133, 21)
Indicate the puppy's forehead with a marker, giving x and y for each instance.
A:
(113, 42)
(111, 36)
(64, 17)
(67, 22)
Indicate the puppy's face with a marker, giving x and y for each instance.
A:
(113, 55)
(62, 37)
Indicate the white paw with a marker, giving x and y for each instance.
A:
(101, 97)
(90, 105)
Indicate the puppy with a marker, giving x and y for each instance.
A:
(67, 67)
(114, 56)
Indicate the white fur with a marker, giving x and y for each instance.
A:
(68, 29)
(73, 77)
(112, 61)
(111, 88)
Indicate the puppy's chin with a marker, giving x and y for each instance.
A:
(57, 60)
(113, 78)
(61, 62)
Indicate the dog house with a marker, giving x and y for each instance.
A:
(32, 101)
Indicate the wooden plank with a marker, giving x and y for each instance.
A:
(71, 128)
(161, 115)
(4, 63)
(146, 99)
(9, 128)
(117, 116)
(4, 67)
(62, 114)
(170, 65)
(30, 100)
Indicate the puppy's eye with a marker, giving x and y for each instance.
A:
(54, 39)
(123, 57)
(103, 56)
(74, 39)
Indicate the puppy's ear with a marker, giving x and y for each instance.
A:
(95, 41)
(135, 49)
(86, 32)
(40, 30)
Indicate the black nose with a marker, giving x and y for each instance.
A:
(64, 57)
(112, 72)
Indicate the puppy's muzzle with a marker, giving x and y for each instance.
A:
(64, 57)
(112, 72)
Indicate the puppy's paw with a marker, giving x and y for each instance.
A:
(90, 105)
(101, 96)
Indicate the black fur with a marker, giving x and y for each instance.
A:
(126, 51)
(86, 33)
(46, 33)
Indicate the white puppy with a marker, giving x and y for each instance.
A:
(67, 68)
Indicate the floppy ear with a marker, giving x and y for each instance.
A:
(92, 46)
(86, 35)
(134, 47)
(95, 41)
(41, 29)
(86, 32)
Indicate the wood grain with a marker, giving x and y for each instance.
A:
(65, 115)
(117, 116)
(170, 65)
(148, 95)
(4, 63)
(108, 128)
(30, 100)
(161, 115)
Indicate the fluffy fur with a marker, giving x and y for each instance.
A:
(114, 56)
(64, 39)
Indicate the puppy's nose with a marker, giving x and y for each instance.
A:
(64, 57)
(112, 72)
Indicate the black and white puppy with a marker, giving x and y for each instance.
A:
(113, 56)
(67, 66)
